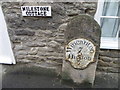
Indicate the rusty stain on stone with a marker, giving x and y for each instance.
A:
(80, 53)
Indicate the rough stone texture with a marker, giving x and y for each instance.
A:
(46, 30)
(107, 80)
(37, 39)
(109, 61)
(24, 32)
(82, 26)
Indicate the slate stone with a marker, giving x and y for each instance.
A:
(25, 32)
(110, 53)
(82, 26)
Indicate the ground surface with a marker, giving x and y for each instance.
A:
(29, 77)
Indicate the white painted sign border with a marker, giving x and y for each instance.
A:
(44, 11)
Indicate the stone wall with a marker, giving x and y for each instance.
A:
(40, 41)
(109, 61)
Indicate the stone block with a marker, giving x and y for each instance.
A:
(106, 64)
(15, 39)
(110, 53)
(53, 44)
(25, 32)
(108, 69)
(33, 51)
(61, 41)
(108, 59)
(82, 33)
(35, 44)
(62, 27)
(32, 57)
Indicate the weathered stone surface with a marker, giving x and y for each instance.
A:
(20, 47)
(25, 61)
(79, 76)
(72, 12)
(35, 44)
(31, 32)
(110, 53)
(52, 54)
(86, 30)
(32, 57)
(20, 57)
(11, 32)
(33, 51)
(43, 49)
(55, 58)
(62, 27)
(82, 27)
(24, 32)
(53, 44)
(109, 69)
(45, 30)
(107, 80)
(22, 53)
(107, 64)
(60, 40)
(108, 59)
(16, 39)
(117, 61)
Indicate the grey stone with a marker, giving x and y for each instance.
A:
(106, 64)
(89, 5)
(85, 30)
(44, 48)
(82, 26)
(20, 56)
(110, 53)
(62, 27)
(55, 58)
(60, 34)
(15, 39)
(53, 44)
(33, 51)
(35, 44)
(53, 54)
(11, 32)
(21, 53)
(106, 80)
(108, 69)
(25, 32)
(108, 59)
(46, 32)
(60, 40)
(50, 50)
(43, 53)
(40, 59)
(58, 8)
(78, 76)
(72, 12)
(58, 13)
(20, 47)
(32, 57)
(24, 61)
(117, 61)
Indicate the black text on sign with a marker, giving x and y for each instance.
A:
(36, 10)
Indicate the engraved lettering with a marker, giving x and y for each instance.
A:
(80, 52)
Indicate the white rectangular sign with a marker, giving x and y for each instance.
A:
(36, 10)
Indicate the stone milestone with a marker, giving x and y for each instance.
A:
(82, 41)
(80, 52)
